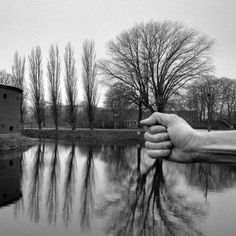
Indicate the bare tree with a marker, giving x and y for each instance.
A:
(5, 78)
(213, 95)
(117, 100)
(228, 101)
(89, 72)
(206, 97)
(18, 71)
(156, 59)
(70, 84)
(54, 70)
(36, 85)
(18, 77)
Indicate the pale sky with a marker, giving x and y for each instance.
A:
(27, 23)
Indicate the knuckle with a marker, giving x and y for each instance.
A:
(174, 116)
(166, 152)
(164, 136)
(168, 144)
(145, 135)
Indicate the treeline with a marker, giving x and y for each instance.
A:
(152, 66)
(35, 92)
(211, 98)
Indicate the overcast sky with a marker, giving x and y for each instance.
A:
(27, 23)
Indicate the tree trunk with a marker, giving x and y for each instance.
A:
(161, 107)
(21, 116)
(140, 113)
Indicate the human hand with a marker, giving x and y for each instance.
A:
(169, 136)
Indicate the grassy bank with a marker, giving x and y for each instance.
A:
(15, 142)
(96, 135)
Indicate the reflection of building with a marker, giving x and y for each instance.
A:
(10, 103)
(10, 178)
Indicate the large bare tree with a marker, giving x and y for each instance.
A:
(70, 84)
(36, 84)
(89, 72)
(18, 80)
(156, 59)
(54, 70)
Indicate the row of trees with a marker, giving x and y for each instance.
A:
(209, 98)
(54, 83)
(147, 67)
(212, 98)
(37, 88)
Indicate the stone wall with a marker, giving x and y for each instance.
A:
(10, 103)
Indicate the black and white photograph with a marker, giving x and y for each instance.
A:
(117, 118)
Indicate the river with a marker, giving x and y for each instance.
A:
(61, 188)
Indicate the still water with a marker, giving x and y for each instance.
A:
(80, 189)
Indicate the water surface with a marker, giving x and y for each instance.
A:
(80, 189)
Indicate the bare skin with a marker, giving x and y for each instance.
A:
(170, 137)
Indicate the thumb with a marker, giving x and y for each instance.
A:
(155, 119)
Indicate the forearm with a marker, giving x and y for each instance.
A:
(218, 146)
(217, 142)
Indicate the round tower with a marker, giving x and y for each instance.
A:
(10, 106)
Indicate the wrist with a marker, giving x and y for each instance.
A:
(199, 140)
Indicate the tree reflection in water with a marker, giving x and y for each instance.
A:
(69, 185)
(209, 177)
(52, 196)
(36, 182)
(19, 205)
(150, 206)
(144, 201)
(87, 190)
(119, 160)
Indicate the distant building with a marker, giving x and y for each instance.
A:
(10, 103)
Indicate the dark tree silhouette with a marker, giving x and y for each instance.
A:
(52, 196)
(54, 70)
(18, 80)
(87, 191)
(156, 59)
(36, 184)
(89, 72)
(70, 84)
(36, 85)
(69, 186)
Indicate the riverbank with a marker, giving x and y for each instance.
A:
(96, 135)
(15, 142)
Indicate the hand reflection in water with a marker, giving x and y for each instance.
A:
(171, 137)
